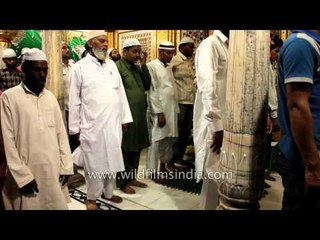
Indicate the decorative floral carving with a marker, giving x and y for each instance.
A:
(145, 37)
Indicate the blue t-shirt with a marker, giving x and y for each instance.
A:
(299, 62)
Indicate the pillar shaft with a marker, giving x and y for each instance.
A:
(244, 143)
(51, 45)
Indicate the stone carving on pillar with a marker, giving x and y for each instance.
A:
(244, 143)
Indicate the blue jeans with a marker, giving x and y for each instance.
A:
(295, 197)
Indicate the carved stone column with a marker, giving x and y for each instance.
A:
(244, 144)
(51, 45)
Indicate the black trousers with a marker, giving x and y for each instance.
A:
(131, 165)
(185, 127)
(295, 196)
(73, 139)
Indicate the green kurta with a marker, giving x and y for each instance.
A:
(136, 81)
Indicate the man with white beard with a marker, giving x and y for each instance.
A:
(98, 114)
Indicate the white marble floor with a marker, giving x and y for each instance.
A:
(159, 197)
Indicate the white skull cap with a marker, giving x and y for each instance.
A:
(95, 33)
(131, 42)
(34, 54)
(9, 53)
(186, 40)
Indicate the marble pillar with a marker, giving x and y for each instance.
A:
(242, 159)
(51, 45)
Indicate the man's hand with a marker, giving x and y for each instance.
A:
(269, 124)
(29, 188)
(125, 127)
(217, 141)
(275, 124)
(161, 120)
(63, 179)
(312, 174)
(143, 57)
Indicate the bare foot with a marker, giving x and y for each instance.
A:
(157, 178)
(114, 198)
(136, 183)
(128, 190)
(91, 205)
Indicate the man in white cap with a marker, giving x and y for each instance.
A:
(35, 141)
(163, 110)
(184, 75)
(99, 113)
(136, 80)
(10, 76)
(211, 71)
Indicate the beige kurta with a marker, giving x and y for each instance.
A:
(36, 147)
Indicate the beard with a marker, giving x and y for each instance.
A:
(101, 54)
(116, 58)
(35, 85)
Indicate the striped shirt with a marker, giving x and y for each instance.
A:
(10, 78)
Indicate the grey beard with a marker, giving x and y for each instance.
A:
(100, 54)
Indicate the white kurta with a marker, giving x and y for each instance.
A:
(273, 99)
(162, 98)
(66, 83)
(211, 74)
(98, 107)
(36, 146)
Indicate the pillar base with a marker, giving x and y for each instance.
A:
(225, 204)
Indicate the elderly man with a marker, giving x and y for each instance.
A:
(35, 141)
(163, 109)
(10, 76)
(136, 81)
(98, 115)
